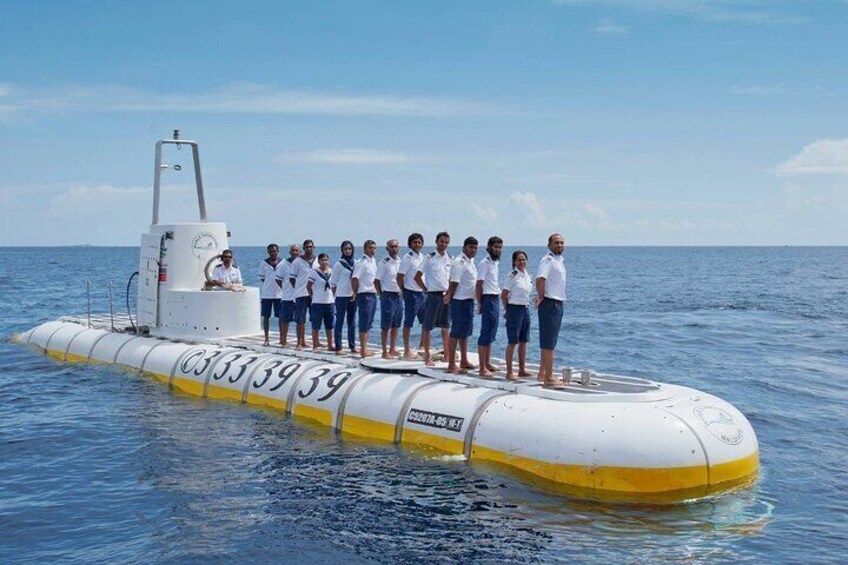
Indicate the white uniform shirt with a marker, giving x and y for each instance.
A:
(224, 275)
(322, 292)
(387, 272)
(436, 270)
(269, 288)
(365, 271)
(300, 272)
(487, 271)
(519, 284)
(409, 265)
(340, 278)
(464, 272)
(282, 275)
(552, 269)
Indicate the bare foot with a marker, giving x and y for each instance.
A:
(317, 344)
(315, 349)
(429, 363)
(367, 353)
(386, 356)
(493, 368)
(283, 344)
(394, 354)
(524, 374)
(469, 366)
(340, 352)
(409, 356)
(512, 377)
(553, 383)
(454, 370)
(485, 374)
(266, 344)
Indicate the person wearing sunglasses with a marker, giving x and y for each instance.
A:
(226, 274)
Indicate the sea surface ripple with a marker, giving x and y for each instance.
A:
(102, 465)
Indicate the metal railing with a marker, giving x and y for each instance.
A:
(110, 299)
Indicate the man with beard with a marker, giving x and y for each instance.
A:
(488, 292)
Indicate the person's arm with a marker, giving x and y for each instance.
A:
(540, 291)
(378, 285)
(399, 278)
(419, 280)
(309, 285)
(451, 291)
(479, 292)
(354, 279)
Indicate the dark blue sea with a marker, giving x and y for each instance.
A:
(102, 465)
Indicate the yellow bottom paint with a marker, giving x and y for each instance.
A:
(735, 471)
(223, 393)
(267, 402)
(452, 446)
(324, 417)
(188, 386)
(363, 427)
(55, 354)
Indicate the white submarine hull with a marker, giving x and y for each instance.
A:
(622, 439)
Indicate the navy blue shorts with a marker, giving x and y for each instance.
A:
(436, 312)
(413, 307)
(287, 312)
(268, 304)
(517, 324)
(489, 322)
(462, 318)
(391, 310)
(366, 305)
(319, 313)
(301, 307)
(550, 321)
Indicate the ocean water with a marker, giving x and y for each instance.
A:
(100, 465)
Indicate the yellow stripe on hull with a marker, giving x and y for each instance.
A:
(267, 402)
(74, 358)
(739, 471)
(363, 427)
(55, 354)
(415, 437)
(324, 417)
(223, 393)
(188, 386)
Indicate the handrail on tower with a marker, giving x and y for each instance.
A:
(157, 173)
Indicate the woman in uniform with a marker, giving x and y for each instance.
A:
(516, 302)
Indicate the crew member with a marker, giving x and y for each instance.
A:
(226, 274)
(287, 288)
(299, 276)
(345, 306)
(488, 303)
(391, 303)
(270, 293)
(433, 277)
(322, 301)
(364, 293)
(550, 298)
(413, 296)
(516, 303)
(460, 297)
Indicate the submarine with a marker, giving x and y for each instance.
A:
(602, 436)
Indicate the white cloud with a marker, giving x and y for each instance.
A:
(607, 27)
(529, 202)
(483, 213)
(344, 157)
(759, 90)
(742, 11)
(822, 157)
(238, 98)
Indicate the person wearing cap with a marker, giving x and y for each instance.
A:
(322, 302)
(287, 290)
(433, 278)
(391, 303)
(460, 297)
(299, 276)
(365, 293)
(270, 294)
(550, 300)
(226, 274)
(516, 303)
(488, 293)
(345, 305)
(413, 296)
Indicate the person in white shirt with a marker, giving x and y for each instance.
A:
(460, 297)
(345, 306)
(322, 304)
(287, 290)
(298, 276)
(391, 303)
(226, 274)
(270, 294)
(488, 303)
(550, 299)
(413, 296)
(365, 293)
(433, 277)
(516, 304)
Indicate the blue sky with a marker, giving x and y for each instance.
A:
(656, 122)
